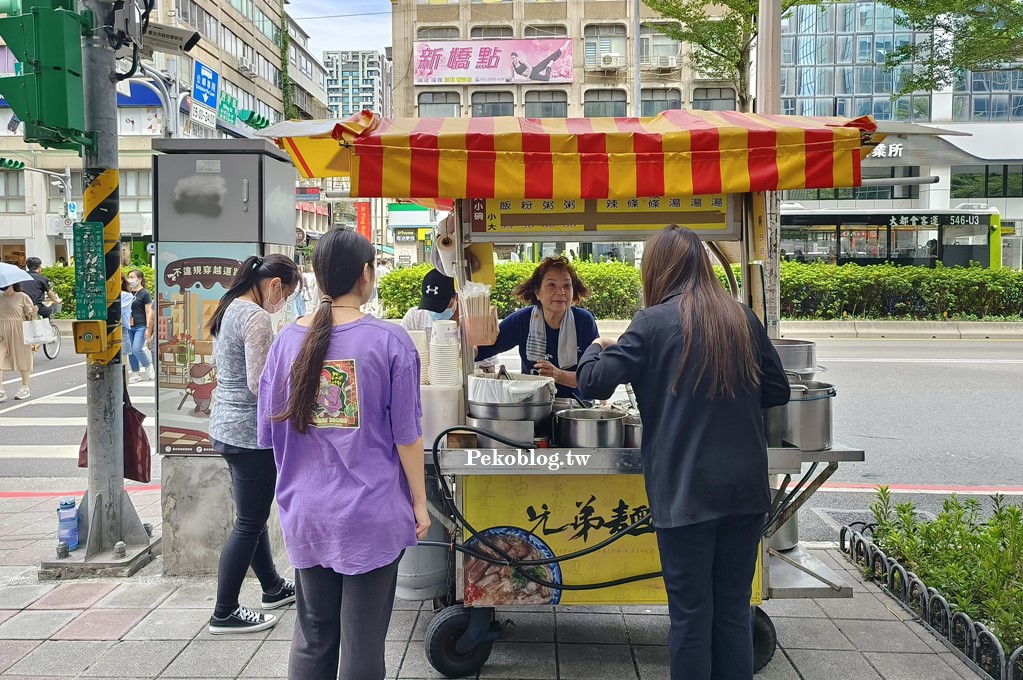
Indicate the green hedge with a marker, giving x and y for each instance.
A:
(614, 288)
(63, 281)
(808, 291)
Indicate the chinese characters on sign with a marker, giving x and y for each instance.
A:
(887, 151)
(619, 518)
(492, 62)
(207, 272)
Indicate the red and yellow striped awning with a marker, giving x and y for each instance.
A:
(677, 153)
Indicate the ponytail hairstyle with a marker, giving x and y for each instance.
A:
(250, 273)
(140, 275)
(339, 261)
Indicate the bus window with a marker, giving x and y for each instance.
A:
(864, 243)
(808, 244)
(912, 244)
(965, 241)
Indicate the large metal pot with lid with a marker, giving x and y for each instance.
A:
(810, 415)
(799, 357)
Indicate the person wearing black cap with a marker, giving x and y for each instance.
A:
(439, 302)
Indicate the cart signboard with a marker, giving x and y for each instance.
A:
(540, 516)
(603, 219)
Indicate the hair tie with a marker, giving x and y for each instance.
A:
(326, 299)
(258, 262)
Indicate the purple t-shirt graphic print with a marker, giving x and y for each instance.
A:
(343, 497)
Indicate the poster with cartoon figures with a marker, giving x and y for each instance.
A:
(192, 278)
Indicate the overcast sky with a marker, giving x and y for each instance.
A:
(370, 31)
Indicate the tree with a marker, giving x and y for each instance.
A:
(723, 35)
(964, 35)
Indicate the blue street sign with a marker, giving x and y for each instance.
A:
(205, 85)
(72, 208)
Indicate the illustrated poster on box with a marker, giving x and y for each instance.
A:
(192, 278)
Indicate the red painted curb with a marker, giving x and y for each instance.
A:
(54, 494)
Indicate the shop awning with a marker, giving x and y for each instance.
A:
(676, 153)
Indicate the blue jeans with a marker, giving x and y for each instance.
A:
(137, 348)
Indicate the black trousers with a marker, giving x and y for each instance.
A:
(253, 479)
(333, 607)
(708, 572)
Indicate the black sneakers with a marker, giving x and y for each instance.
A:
(283, 598)
(242, 620)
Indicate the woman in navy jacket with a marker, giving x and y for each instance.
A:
(702, 368)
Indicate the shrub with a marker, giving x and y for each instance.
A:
(63, 281)
(976, 565)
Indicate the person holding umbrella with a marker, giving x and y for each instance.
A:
(15, 307)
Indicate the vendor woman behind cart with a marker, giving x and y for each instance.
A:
(552, 332)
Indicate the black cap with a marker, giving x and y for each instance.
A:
(437, 291)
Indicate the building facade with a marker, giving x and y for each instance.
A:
(308, 75)
(358, 80)
(240, 42)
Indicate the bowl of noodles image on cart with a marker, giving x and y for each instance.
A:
(488, 584)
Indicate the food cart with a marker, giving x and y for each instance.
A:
(557, 526)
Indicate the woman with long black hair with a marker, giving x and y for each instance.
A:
(339, 404)
(242, 335)
(702, 368)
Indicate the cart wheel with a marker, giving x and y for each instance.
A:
(444, 631)
(765, 639)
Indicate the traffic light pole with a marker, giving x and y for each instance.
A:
(107, 515)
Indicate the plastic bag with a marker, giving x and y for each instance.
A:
(490, 390)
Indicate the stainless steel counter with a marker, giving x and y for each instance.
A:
(785, 460)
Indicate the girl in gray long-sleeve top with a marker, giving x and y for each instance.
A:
(702, 368)
(242, 336)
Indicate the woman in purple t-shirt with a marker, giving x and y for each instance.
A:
(339, 404)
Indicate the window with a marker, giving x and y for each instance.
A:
(546, 104)
(202, 20)
(136, 191)
(989, 95)
(656, 49)
(55, 192)
(714, 99)
(439, 105)
(654, 101)
(544, 32)
(492, 104)
(601, 39)
(863, 242)
(491, 32)
(987, 181)
(437, 33)
(12, 192)
(604, 104)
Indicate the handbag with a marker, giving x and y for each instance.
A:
(137, 452)
(37, 332)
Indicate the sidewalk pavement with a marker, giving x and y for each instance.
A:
(149, 626)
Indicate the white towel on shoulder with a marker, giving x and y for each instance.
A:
(568, 342)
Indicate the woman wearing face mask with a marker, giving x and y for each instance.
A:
(242, 336)
(439, 302)
(140, 331)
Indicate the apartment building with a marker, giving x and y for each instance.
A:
(240, 42)
(358, 80)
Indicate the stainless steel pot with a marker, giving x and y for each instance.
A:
(537, 411)
(776, 424)
(589, 428)
(798, 356)
(633, 432)
(810, 415)
(566, 403)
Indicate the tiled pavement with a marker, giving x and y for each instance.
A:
(149, 626)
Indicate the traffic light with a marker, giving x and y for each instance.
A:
(253, 119)
(48, 96)
(11, 164)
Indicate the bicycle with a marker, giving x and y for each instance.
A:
(52, 349)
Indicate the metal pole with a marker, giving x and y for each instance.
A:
(768, 101)
(107, 513)
(636, 75)
(171, 124)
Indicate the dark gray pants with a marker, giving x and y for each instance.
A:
(333, 608)
(708, 573)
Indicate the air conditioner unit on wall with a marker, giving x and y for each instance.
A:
(611, 62)
(247, 67)
(665, 62)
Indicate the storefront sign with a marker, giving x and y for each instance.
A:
(364, 219)
(537, 517)
(307, 193)
(883, 150)
(700, 213)
(493, 62)
(406, 235)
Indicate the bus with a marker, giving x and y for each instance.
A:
(956, 237)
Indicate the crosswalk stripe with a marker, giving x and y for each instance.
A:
(42, 422)
(82, 401)
(40, 451)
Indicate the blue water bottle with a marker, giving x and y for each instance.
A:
(67, 523)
